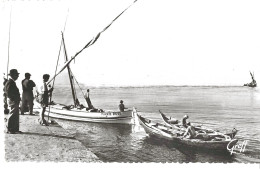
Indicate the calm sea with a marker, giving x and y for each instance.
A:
(222, 108)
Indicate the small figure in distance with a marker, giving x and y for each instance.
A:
(121, 106)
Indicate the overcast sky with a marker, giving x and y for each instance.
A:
(155, 42)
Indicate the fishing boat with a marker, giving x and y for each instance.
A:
(219, 141)
(253, 83)
(81, 114)
(77, 111)
(168, 121)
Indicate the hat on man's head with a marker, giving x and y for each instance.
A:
(46, 76)
(121, 101)
(13, 72)
(27, 74)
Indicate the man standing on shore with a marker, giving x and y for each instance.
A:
(13, 99)
(44, 98)
(27, 97)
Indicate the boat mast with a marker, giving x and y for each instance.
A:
(9, 45)
(69, 72)
(90, 43)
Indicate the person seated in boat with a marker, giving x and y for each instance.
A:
(184, 121)
(121, 106)
(191, 133)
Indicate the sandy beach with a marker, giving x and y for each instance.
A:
(45, 143)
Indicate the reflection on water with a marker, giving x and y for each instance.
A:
(221, 108)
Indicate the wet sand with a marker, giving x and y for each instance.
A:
(45, 143)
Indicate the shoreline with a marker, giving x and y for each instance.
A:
(45, 144)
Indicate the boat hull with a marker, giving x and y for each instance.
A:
(194, 143)
(250, 85)
(107, 116)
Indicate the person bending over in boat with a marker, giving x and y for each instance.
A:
(121, 106)
(191, 133)
(44, 92)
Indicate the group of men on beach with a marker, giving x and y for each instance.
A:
(13, 99)
(12, 94)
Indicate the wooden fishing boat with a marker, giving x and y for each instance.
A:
(77, 111)
(98, 116)
(251, 84)
(220, 142)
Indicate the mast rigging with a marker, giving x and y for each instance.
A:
(91, 42)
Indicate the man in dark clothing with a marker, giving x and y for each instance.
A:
(13, 99)
(27, 97)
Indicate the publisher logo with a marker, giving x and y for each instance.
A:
(237, 148)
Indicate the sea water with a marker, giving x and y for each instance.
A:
(220, 108)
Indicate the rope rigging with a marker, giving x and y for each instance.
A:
(91, 42)
(54, 78)
(66, 64)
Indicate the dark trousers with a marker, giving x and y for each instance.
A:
(27, 100)
(13, 118)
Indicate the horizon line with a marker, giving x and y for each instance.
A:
(125, 86)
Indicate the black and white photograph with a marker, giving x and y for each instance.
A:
(130, 82)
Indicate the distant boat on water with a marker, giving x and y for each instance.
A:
(253, 83)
